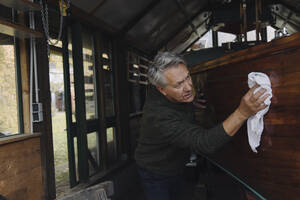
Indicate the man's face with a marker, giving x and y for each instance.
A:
(180, 85)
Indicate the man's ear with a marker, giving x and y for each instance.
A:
(161, 90)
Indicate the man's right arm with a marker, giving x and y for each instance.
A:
(250, 104)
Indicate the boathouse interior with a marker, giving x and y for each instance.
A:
(73, 82)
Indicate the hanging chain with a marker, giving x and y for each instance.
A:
(45, 21)
(68, 3)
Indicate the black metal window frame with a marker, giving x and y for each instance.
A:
(137, 67)
(101, 123)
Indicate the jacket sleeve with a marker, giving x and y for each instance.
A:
(185, 134)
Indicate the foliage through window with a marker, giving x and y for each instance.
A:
(9, 119)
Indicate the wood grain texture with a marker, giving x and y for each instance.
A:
(20, 168)
(20, 31)
(274, 171)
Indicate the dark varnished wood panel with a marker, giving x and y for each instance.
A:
(274, 171)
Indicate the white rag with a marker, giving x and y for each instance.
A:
(255, 124)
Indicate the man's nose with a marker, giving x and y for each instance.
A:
(187, 86)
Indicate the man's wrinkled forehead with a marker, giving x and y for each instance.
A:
(176, 75)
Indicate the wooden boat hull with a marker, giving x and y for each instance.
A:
(273, 172)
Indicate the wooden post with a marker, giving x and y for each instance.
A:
(68, 105)
(80, 102)
(45, 127)
(122, 98)
(258, 18)
(102, 140)
(24, 63)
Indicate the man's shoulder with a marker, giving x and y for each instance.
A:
(159, 110)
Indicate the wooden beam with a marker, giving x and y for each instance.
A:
(68, 105)
(80, 102)
(102, 140)
(20, 31)
(139, 16)
(97, 7)
(187, 16)
(178, 30)
(215, 38)
(121, 85)
(23, 5)
(24, 64)
(84, 17)
(18, 137)
(45, 127)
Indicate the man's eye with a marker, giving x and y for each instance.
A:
(178, 86)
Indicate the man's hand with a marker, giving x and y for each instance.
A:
(252, 103)
(199, 102)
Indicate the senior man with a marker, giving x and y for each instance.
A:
(168, 129)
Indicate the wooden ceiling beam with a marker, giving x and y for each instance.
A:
(87, 18)
(178, 30)
(139, 16)
(97, 7)
(186, 15)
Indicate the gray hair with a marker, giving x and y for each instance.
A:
(162, 62)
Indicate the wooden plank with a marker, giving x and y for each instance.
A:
(24, 62)
(18, 137)
(92, 192)
(17, 30)
(21, 173)
(274, 171)
(23, 5)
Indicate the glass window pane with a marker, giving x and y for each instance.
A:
(251, 35)
(225, 37)
(111, 145)
(72, 85)
(76, 157)
(9, 123)
(58, 123)
(94, 152)
(89, 76)
(270, 33)
(206, 40)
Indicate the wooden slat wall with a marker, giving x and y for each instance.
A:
(274, 171)
(20, 166)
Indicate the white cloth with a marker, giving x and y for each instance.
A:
(255, 124)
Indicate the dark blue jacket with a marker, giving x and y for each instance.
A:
(169, 132)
